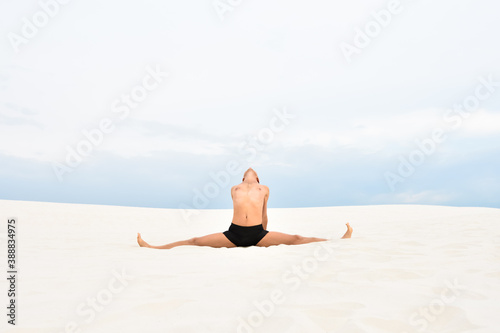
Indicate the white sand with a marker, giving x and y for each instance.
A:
(408, 268)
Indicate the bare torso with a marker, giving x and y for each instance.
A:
(248, 203)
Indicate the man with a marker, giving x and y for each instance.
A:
(249, 225)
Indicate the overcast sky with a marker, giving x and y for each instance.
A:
(331, 102)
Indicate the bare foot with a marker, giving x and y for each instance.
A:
(141, 242)
(348, 233)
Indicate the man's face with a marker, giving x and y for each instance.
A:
(250, 170)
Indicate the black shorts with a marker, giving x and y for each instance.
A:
(245, 236)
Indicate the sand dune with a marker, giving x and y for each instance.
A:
(408, 268)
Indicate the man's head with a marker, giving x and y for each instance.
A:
(250, 175)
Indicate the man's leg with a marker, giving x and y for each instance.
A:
(213, 240)
(277, 238)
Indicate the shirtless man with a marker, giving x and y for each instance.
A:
(249, 225)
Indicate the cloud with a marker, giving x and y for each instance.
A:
(482, 123)
(12, 115)
(352, 120)
(429, 197)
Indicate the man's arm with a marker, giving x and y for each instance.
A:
(264, 210)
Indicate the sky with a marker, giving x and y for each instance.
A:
(166, 103)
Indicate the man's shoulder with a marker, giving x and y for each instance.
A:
(235, 187)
